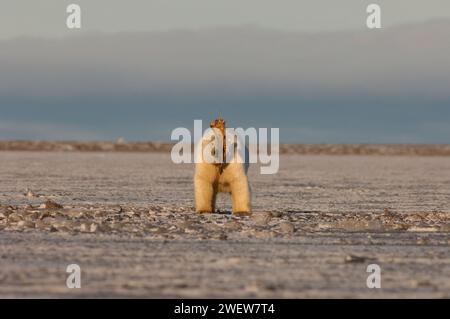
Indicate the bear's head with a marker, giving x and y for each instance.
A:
(218, 123)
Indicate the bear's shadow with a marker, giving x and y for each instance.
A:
(223, 212)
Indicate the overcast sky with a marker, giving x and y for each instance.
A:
(47, 17)
(319, 80)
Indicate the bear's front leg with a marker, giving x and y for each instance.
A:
(205, 196)
(240, 196)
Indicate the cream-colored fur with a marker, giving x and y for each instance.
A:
(210, 179)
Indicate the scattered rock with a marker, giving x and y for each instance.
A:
(97, 214)
(422, 240)
(212, 227)
(93, 228)
(277, 214)
(15, 217)
(286, 227)
(324, 226)
(176, 222)
(64, 229)
(223, 236)
(242, 214)
(355, 259)
(233, 225)
(30, 216)
(159, 230)
(30, 193)
(51, 205)
(73, 214)
(261, 219)
(152, 213)
(40, 224)
(418, 229)
(48, 220)
(355, 225)
(104, 228)
(263, 234)
(88, 227)
(184, 224)
(84, 228)
(25, 224)
(130, 214)
(187, 226)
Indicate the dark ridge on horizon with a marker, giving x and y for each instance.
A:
(165, 147)
(435, 22)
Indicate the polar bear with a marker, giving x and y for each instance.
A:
(226, 176)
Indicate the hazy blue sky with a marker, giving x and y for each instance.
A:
(308, 67)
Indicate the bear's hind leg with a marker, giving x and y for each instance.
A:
(240, 196)
(205, 196)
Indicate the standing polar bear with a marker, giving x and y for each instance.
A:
(221, 166)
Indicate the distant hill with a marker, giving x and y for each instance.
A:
(161, 147)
